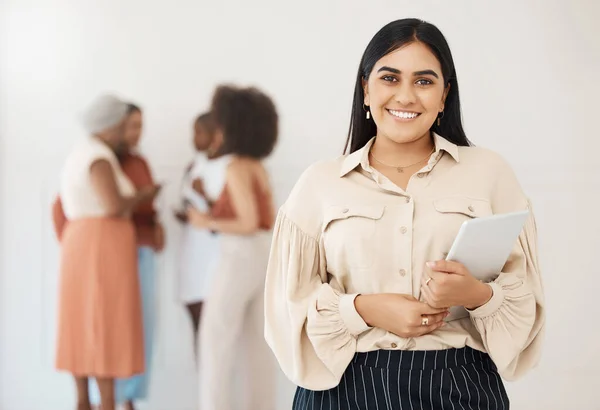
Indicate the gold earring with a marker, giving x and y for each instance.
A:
(367, 111)
(439, 121)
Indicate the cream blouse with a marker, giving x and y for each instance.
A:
(346, 229)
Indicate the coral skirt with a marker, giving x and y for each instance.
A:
(100, 330)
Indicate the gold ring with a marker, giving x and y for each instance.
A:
(427, 281)
(425, 321)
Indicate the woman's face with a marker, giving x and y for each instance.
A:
(202, 137)
(115, 136)
(133, 129)
(405, 93)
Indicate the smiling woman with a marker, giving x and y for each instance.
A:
(410, 74)
(416, 97)
(356, 307)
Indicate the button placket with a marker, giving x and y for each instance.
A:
(385, 184)
(403, 230)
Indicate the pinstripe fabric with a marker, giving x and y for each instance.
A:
(454, 379)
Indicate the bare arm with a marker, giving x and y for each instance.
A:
(104, 183)
(243, 200)
(59, 218)
(265, 187)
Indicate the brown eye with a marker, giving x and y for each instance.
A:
(424, 81)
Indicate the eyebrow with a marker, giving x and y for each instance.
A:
(390, 69)
(416, 73)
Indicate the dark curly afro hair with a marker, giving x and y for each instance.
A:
(248, 119)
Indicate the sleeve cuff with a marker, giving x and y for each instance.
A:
(492, 305)
(353, 321)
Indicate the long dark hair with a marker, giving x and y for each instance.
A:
(390, 38)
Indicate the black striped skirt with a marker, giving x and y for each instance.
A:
(454, 379)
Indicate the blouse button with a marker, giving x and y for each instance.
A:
(345, 210)
(471, 208)
(402, 272)
(421, 174)
(403, 229)
(394, 345)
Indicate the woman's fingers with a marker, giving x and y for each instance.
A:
(447, 266)
(434, 319)
(426, 309)
(428, 320)
(423, 330)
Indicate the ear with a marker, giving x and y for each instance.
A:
(365, 87)
(444, 96)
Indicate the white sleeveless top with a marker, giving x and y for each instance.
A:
(187, 190)
(215, 173)
(200, 249)
(76, 191)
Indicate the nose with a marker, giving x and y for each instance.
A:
(405, 94)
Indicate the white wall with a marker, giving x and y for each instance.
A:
(528, 72)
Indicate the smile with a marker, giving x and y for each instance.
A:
(404, 115)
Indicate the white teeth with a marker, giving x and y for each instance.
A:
(402, 114)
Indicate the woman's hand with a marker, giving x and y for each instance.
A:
(198, 219)
(449, 283)
(402, 315)
(181, 216)
(148, 192)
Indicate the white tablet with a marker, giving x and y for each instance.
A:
(483, 245)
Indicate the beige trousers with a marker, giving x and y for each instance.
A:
(232, 344)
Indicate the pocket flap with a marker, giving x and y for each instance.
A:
(337, 212)
(463, 205)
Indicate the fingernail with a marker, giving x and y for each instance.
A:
(430, 264)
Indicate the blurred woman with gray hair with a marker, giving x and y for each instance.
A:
(100, 332)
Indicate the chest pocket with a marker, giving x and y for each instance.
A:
(462, 205)
(350, 235)
(451, 213)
